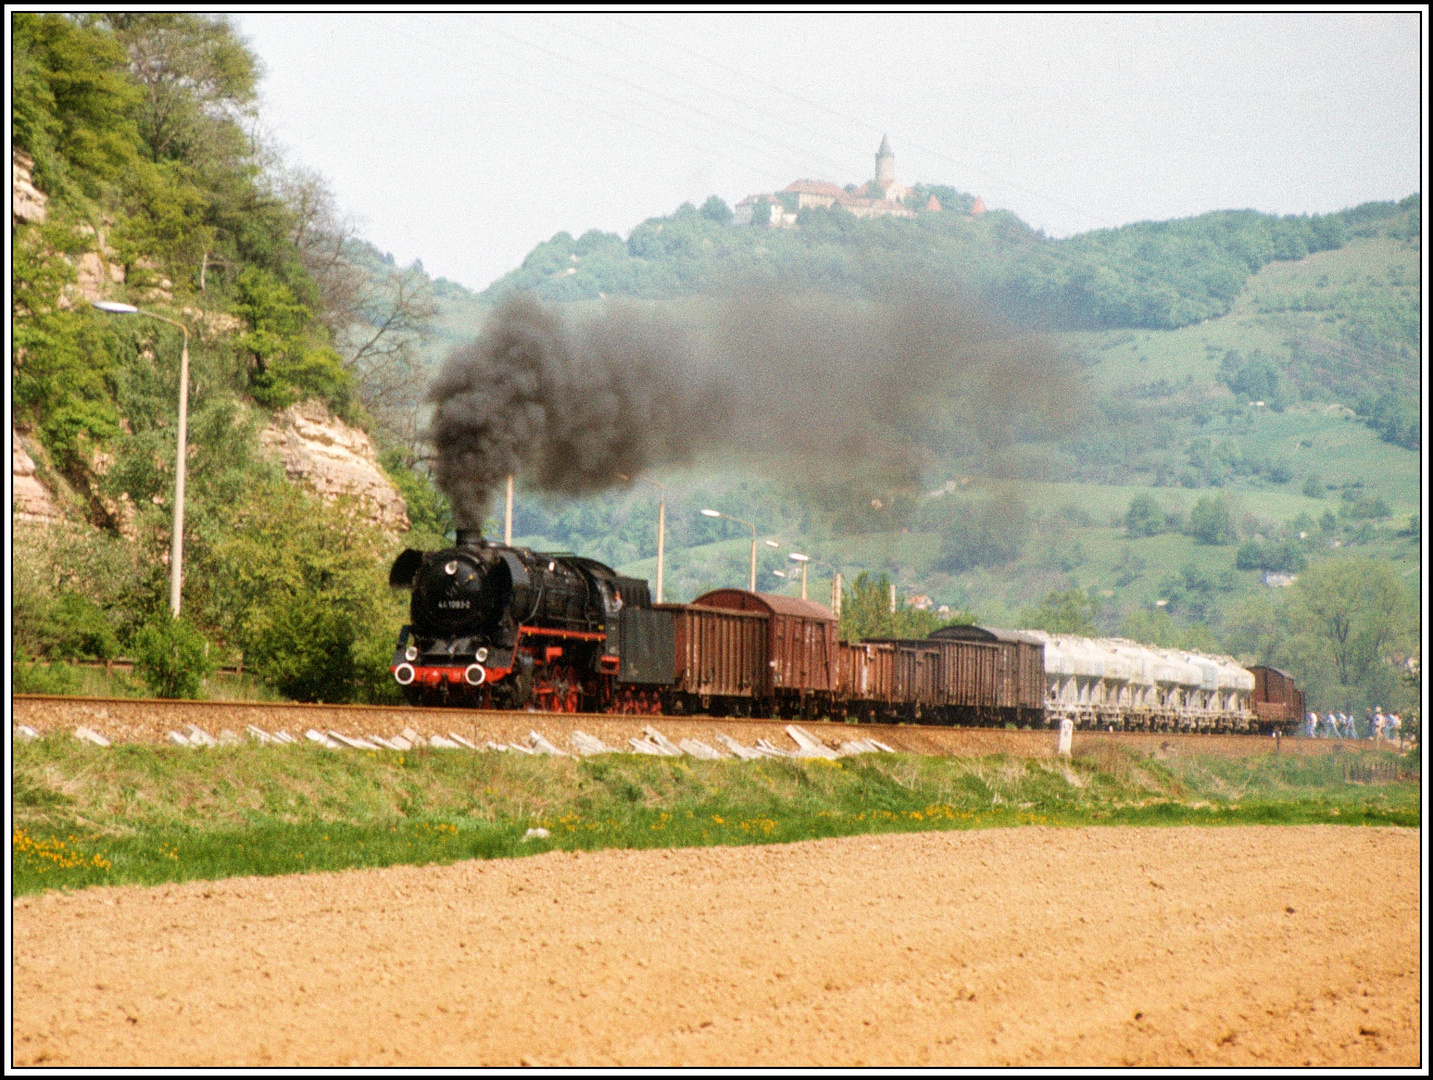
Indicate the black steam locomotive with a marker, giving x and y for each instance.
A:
(502, 627)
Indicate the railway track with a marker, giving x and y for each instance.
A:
(139, 720)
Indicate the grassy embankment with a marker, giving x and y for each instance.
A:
(147, 815)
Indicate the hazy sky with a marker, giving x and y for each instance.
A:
(465, 139)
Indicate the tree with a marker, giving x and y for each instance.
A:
(1212, 520)
(197, 78)
(1352, 611)
(1253, 631)
(1071, 612)
(716, 209)
(378, 317)
(1144, 517)
(866, 612)
(991, 532)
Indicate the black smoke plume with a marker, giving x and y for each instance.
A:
(805, 389)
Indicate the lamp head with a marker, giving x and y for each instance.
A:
(772, 544)
(798, 557)
(114, 307)
(711, 513)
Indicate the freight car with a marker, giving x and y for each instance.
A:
(1276, 701)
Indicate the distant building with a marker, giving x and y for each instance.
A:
(881, 196)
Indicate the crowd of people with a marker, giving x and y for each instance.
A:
(1335, 725)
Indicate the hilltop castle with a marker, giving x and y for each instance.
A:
(881, 196)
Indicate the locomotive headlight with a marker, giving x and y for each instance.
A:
(404, 673)
(475, 675)
(451, 568)
(410, 653)
(481, 654)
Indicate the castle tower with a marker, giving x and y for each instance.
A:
(885, 165)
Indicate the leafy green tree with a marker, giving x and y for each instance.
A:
(286, 363)
(1283, 557)
(866, 612)
(716, 209)
(1351, 613)
(1254, 631)
(1313, 487)
(1212, 520)
(1144, 517)
(1069, 612)
(196, 75)
(306, 593)
(72, 104)
(171, 657)
(986, 532)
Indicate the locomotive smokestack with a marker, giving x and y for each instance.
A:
(470, 538)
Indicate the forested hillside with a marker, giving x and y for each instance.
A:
(154, 191)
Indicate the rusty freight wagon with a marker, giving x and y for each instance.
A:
(915, 677)
(866, 679)
(721, 660)
(802, 666)
(991, 675)
(1276, 700)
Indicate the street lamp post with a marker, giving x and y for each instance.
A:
(661, 525)
(803, 560)
(176, 550)
(749, 525)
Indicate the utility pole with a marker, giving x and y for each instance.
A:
(176, 548)
(507, 515)
(836, 595)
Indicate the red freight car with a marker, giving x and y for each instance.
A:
(802, 660)
(867, 672)
(1276, 700)
(722, 655)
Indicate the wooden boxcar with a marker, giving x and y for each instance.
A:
(720, 652)
(867, 671)
(999, 674)
(1276, 700)
(802, 651)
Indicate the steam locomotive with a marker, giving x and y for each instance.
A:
(494, 626)
(504, 627)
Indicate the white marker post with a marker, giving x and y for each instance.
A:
(1067, 736)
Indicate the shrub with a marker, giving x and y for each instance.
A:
(1212, 520)
(1284, 557)
(1144, 517)
(171, 657)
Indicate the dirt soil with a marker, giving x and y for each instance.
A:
(1040, 947)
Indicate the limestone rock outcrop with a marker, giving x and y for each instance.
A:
(334, 459)
(27, 202)
(30, 501)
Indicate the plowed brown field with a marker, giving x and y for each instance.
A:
(1108, 946)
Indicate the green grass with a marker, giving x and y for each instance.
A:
(83, 680)
(147, 815)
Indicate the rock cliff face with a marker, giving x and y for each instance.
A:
(31, 502)
(334, 459)
(27, 203)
